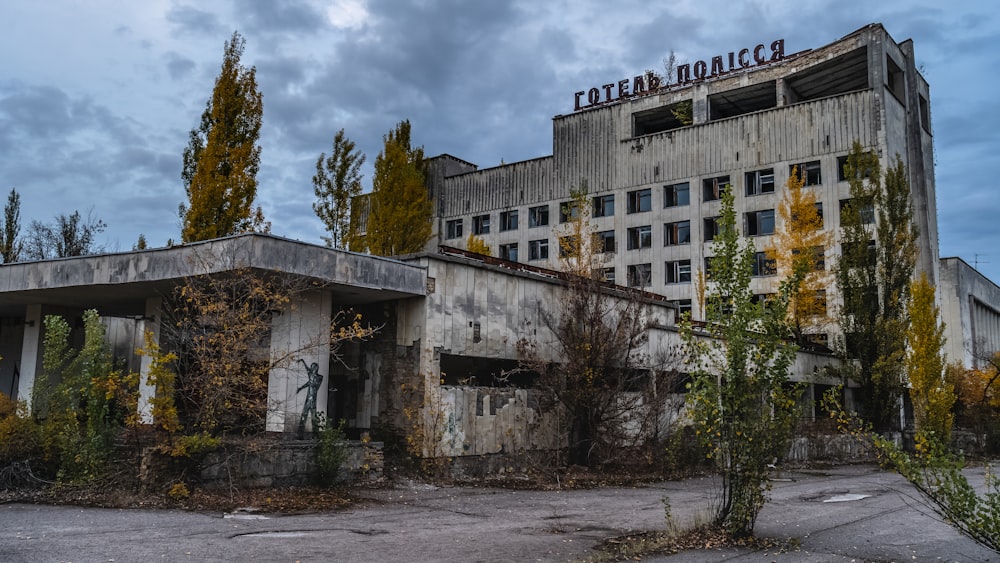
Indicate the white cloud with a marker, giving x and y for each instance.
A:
(348, 14)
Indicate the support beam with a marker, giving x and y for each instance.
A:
(151, 323)
(31, 353)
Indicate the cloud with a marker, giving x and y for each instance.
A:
(187, 20)
(280, 16)
(178, 67)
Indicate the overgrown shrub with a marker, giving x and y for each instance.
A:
(331, 451)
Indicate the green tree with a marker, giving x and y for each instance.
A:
(10, 243)
(932, 396)
(141, 243)
(222, 156)
(740, 398)
(399, 215)
(336, 182)
(71, 235)
(874, 277)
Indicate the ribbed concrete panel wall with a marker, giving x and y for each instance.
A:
(505, 186)
(585, 145)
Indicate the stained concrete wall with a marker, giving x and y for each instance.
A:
(970, 310)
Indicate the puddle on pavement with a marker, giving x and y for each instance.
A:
(846, 497)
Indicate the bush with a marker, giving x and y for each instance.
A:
(20, 435)
(331, 452)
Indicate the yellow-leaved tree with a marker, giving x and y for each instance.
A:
(222, 156)
(799, 247)
(477, 245)
(931, 394)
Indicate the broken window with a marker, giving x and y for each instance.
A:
(484, 372)
(741, 101)
(713, 188)
(808, 171)
(640, 200)
(763, 266)
(568, 211)
(640, 275)
(508, 252)
(678, 271)
(710, 228)
(606, 241)
(640, 237)
(481, 224)
(842, 170)
(508, 220)
(453, 229)
(538, 216)
(664, 118)
(867, 210)
(683, 306)
(708, 267)
(895, 80)
(676, 195)
(604, 205)
(759, 223)
(760, 182)
(538, 249)
(677, 233)
(608, 274)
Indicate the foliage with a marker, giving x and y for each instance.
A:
(932, 396)
(798, 248)
(331, 451)
(598, 374)
(336, 182)
(399, 215)
(477, 245)
(875, 284)
(936, 474)
(740, 398)
(683, 112)
(978, 397)
(20, 434)
(222, 157)
(66, 236)
(141, 243)
(11, 244)
(161, 377)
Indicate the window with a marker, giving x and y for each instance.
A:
(640, 275)
(809, 171)
(817, 338)
(640, 200)
(606, 241)
(895, 79)
(640, 237)
(843, 176)
(568, 211)
(677, 233)
(761, 298)
(760, 182)
(538, 216)
(867, 211)
(508, 220)
(708, 267)
(538, 249)
(683, 306)
(604, 205)
(679, 271)
(453, 229)
(508, 252)
(759, 223)
(710, 228)
(608, 274)
(850, 251)
(817, 260)
(925, 113)
(713, 188)
(481, 224)
(762, 265)
(676, 195)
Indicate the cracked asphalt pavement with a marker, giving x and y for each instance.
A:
(849, 513)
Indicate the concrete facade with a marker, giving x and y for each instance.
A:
(970, 309)
(653, 179)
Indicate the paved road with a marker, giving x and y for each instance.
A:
(424, 523)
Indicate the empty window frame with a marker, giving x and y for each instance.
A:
(640, 275)
(677, 195)
(759, 223)
(568, 211)
(867, 211)
(677, 233)
(508, 252)
(453, 229)
(708, 266)
(710, 228)
(538, 216)
(481, 225)
(640, 237)
(604, 205)
(683, 306)
(895, 80)
(678, 271)
(538, 249)
(713, 188)
(608, 274)
(606, 241)
(508, 220)
(763, 266)
(925, 113)
(810, 172)
(842, 175)
(640, 200)
(760, 182)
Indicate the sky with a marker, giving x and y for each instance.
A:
(97, 97)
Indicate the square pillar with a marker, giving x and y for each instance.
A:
(31, 353)
(150, 323)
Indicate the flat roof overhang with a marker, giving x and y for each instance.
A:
(118, 284)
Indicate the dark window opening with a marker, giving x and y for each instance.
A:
(538, 249)
(481, 224)
(677, 233)
(568, 211)
(640, 237)
(608, 274)
(810, 172)
(683, 306)
(763, 266)
(925, 113)
(508, 220)
(453, 229)
(678, 271)
(604, 205)
(742, 101)
(846, 73)
(867, 211)
(606, 241)
(640, 201)
(640, 275)
(661, 119)
(710, 228)
(759, 223)
(538, 216)
(760, 182)
(895, 80)
(508, 252)
(713, 188)
(484, 372)
(676, 195)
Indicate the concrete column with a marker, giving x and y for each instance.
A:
(151, 324)
(31, 352)
(300, 337)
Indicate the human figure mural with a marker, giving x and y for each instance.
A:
(311, 386)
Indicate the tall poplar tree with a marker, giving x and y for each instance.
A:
(399, 216)
(336, 182)
(932, 396)
(11, 243)
(222, 157)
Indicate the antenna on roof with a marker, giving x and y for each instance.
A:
(976, 261)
